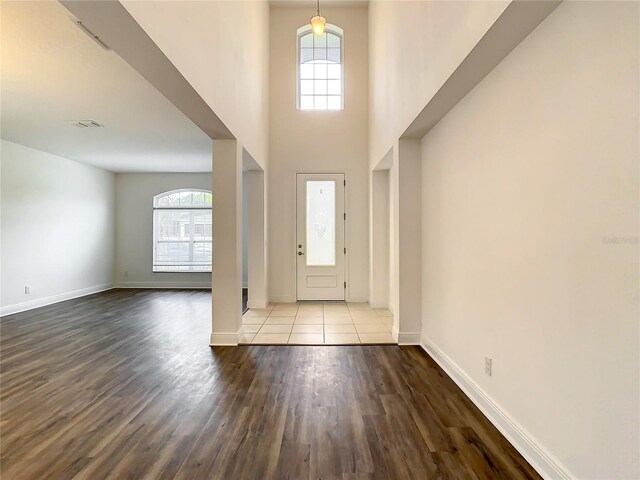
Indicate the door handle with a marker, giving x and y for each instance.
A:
(300, 253)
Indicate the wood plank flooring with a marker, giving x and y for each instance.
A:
(122, 384)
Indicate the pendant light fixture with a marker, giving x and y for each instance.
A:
(317, 22)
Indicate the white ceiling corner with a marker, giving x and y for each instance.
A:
(53, 74)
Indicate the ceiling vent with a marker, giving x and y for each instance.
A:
(93, 36)
(86, 124)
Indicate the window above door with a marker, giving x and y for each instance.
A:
(320, 69)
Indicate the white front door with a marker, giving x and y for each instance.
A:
(320, 254)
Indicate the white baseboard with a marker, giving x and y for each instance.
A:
(539, 458)
(43, 302)
(405, 338)
(230, 339)
(189, 285)
(350, 299)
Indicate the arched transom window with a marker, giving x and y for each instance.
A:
(182, 231)
(320, 72)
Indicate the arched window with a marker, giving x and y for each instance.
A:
(182, 231)
(320, 72)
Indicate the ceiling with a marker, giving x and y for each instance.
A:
(53, 73)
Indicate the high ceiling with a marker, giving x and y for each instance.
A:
(53, 73)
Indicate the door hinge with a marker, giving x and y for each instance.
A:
(344, 215)
(345, 250)
(345, 284)
(345, 183)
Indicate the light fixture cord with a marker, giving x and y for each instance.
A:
(318, 9)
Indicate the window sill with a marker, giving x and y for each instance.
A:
(181, 271)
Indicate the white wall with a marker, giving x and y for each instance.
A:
(525, 183)
(245, 229)
(379, 260)
(134, 229)
(221, 48)
(317, 141)
(414, 48)
(57, 228)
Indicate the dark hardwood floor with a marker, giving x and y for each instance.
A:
(123, 384)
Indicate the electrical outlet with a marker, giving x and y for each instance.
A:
(488, 364)
(27, 289)
(126, 273)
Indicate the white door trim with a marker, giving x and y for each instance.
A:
(340, 254)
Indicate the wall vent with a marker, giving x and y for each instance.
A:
(85, 124)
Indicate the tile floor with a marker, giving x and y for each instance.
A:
(318, 323)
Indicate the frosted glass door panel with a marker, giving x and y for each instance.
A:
(321, 223)
(320, 227)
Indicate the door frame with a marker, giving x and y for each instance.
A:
(294, 255)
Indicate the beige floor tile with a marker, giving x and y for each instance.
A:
(247, 338)
(359, 307)
(338, 320)
(337, 313)
(362, 313)
(306, 328)
(279, 321)
(373, 328)
(251, 328)
(341, 338)
(253, 320)
(304, 320)
(387, 320)
(307, 338)
(334, 303)
(283, 313)
(286, 306)
(376, 338)
(310, 313)
(339, 329)
(366, 320)
(257, 312)
(269, 338)
(275, 329)
(383, 312)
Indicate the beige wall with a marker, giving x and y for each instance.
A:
(317, 141)
(134, 229)
(379, 261)
(221, 48)
(524, 183)
(415, 48)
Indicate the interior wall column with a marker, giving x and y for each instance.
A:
(257, 256)
(406, 241)
(226, 326)
(380, 230)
